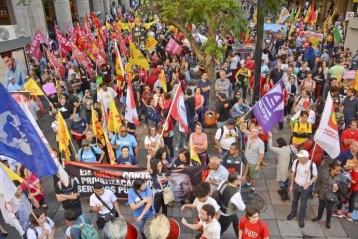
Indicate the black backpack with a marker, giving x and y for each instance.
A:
(94, 153)
(222, 132)
(216, 194)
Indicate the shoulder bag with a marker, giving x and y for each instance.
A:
(168, 194)
(101, 221)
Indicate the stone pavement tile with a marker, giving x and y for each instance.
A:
(266, 196)
(310, 214)
(349, 227)
(273, 227)
(269, 173)
(276, 199)
(312, 229)
(269, 213)
(185, 235)
(289, 228)
(261, 185)
(343, 237)
(281, 211)
(272, 185)
(336, 230)
(313, 202)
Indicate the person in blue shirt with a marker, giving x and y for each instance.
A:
(140, 199)
(14, 69)
(12, 86)
(73, 219)
(88, 153)
(126, 158)
(125, 139)
(348, 154)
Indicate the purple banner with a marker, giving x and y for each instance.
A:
(269, 109)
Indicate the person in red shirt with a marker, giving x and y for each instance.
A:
(250, 64)
(353, 166)
(251, 227)
(349, 135)
(146, 98)
(266, 85)
(252, 82)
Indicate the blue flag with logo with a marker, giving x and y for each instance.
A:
(19, 139)
(269, 109)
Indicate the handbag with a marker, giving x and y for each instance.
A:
(331, 197)
(168, 194)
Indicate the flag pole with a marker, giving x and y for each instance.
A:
(31, 211)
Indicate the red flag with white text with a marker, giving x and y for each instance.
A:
(178, 110)
(35, 45)
(64, 44)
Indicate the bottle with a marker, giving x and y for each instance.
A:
(335, 186)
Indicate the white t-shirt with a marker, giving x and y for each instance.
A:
(108, 197)
(210, 201)
(228, 137)
(234, 61)
(211, 230)
(303, 174)
(106, 96)
(33, 109)
(148, 140)
(31, 234)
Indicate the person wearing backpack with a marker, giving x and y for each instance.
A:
(225, 136)
(68, 195)
(81, 225)
(89, 154)
(304, 174)
(41, 226)
(301, 130)
(251, 226)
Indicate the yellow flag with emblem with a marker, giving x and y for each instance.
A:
(97, 128)
(137, 57)
(111, 155)
(195, 157)
(63, 136)
(150, 43)
(33, 87)
(114, 119)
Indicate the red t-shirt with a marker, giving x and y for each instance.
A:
(147, 96)
(265, 88)
(346, 134)
(258, 230)
(167, 104)
(151, 79)
(354, 187)
(250, 66)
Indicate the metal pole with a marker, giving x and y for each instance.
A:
(258, 50)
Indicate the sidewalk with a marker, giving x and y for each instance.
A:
(274, 211)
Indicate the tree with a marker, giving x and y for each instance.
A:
(216, 13)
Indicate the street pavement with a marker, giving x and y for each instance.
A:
(274, 211)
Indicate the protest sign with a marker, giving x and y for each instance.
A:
(49, 88)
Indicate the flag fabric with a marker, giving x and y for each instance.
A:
(150, 43)
(298, 13)
(111, 155)
(178, 109)
(11, 174)
(284, 15)
(108, 26)
(195, 157)
(337, 35)
(61, 172)
(19, 140)
(269, 109)
(312, 15)
(33, 87)
(292, 15)
(114, 119)
(326, 135)
(55, 64)
(35, 45)
(95, 21)
(87, 22)
(82, 58)
(97, 128)
(308, 14)
(64, 44)
(63, 136)
(137, 58)
(80, 42)
(9, 205)
(163, 80)
(131, 111)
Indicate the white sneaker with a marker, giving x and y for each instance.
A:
(176, 149)
(284, 119)
(185, 147)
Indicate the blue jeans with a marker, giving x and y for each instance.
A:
(283, 184)
(299, 192)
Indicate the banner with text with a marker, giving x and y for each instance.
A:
(119, 178)
(313, 37)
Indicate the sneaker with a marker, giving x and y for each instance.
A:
(284, 119)
(252, 193)
(246, 186)
(176, 149)
(349, 218)
(316, 219)
(288, 116)
(339, 215)
(185, 147)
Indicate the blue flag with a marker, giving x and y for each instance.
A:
(19, 139)
(269, 109)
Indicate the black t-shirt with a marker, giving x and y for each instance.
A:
(302, 75)
(190, 102)
(71, 188)
(223, 108)
(53, 98)
(73, 99)
(77, 87)
(66, 110)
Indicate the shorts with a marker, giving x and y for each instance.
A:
(252, 173)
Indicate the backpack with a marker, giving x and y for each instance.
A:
(310, 99)
(311, 166)
(222, 132)
(87, 230)
(217, 193)
(292, 159)
(94, 153)
(35, 230)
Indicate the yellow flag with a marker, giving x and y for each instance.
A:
(195, 157)
(150, 43)
(137, 57)
(148, 25)
(63, 136)
(11, 174)
(114, 119)
(111, 155)
(108, 26)
(97, 128)
(163, 80)
(33, 87)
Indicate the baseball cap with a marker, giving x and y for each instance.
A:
(306, 104)
(303, 154)
(76, 117)
(85, 142)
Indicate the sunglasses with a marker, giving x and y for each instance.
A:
(85, 145)
(125, 131)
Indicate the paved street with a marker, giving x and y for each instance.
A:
(274, 210)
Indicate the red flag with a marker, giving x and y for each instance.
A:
(131, 112)
(178, 109)
(55, 64)
(173, 47)
(88, 25)
(64, 44)
(35, 45)
(312, 15)
(95, 20)
(80, 43)
(81, 57)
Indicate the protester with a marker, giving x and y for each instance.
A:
(251, 226)
(41, 226)
(225, 136)
(89, 154)
(79, 224)
(125, 158)
(68, 195)
(217, 174)
(153, 141)
(124, 139)
(198, 142)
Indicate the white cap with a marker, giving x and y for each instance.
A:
(303, 154)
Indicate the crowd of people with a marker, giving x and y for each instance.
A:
(309, 73)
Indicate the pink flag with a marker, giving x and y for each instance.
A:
(82, 59)
(55, 64)
(65, 45)
(178, 109)
(173, 47)
(35, 45)
(131, 112)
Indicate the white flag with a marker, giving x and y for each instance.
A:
(63, 174)
(9, 204)
(326, 135)
(131, 112)
(284, 15)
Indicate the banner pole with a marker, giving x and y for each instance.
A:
(30, 209)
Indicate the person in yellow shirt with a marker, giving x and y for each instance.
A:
(302, 130)
(242, 80)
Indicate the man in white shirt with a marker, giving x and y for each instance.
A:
(217, 174)
(225, 136)
(304, 174)
(105, 95)
(222, 85)
(230, 202)
(101, 200)
(211, 227)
